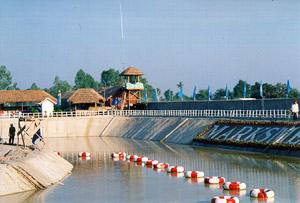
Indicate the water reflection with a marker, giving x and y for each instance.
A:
(102, 178)
(235, 192)
(195, 180)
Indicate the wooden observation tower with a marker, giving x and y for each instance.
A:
(133, 86)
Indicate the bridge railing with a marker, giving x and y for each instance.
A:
(267, 114)
(242, 114)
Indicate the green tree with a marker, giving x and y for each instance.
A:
(294, 93)
(220, 94)
(111, 78)
(34, 87)
(238, 90)
(270, 91)
(84, 80)
(281, 90)
(6, 79)
(255, 91)
(169, 95)
(147, 87)
(61, 85)
(202, 95)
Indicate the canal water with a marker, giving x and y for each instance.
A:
(102, 179)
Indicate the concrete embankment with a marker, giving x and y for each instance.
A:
(169, 130)
(179, 130)
(24, 170)
(165, 129)
(60, 127)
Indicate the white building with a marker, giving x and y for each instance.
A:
(47, 106)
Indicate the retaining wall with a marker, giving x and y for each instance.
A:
(281, 138)
(167, 129)
(61, 126)
(268, 135)
(172, 130)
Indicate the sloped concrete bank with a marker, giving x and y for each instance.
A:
(170, 130)
(282, 138)
(165, 129)
(24, 170)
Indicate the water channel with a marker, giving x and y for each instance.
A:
(102, 179)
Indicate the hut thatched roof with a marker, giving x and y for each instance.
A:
(131, 71)
(24, 96)
(84, 96)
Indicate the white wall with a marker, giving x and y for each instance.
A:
(47, 107)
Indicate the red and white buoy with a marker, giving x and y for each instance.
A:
(161, 165)
(118, 155)
(175, 169)
(234, 186)
(194, 174)
(114, 155)
(122, 154)
(141, 159)
(151, 162)
(262, 193)
(214, 180)
(84, 154)
(224, 199)
(133, 157)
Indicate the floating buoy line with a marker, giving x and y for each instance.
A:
(232, 188)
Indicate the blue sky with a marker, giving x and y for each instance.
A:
(199, 42)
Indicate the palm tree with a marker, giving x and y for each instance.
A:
(180, 85)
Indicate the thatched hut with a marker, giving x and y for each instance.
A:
(83, 99)
(26, 101)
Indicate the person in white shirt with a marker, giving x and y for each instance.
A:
(295, 109)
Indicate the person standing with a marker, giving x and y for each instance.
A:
(295, 109)
(12, 133)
